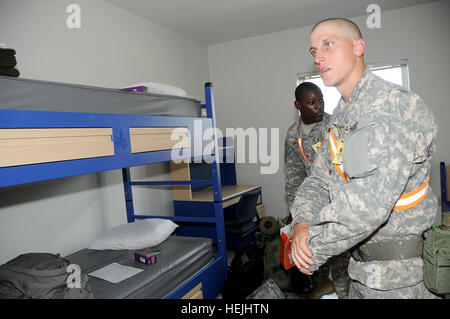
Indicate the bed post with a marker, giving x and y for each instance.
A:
(215, 173)
(210, 113)
(128, 194)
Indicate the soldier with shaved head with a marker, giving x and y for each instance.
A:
(369, 188)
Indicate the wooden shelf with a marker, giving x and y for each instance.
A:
(228, 191)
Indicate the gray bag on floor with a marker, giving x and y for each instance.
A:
(42, 276)
(268, 290)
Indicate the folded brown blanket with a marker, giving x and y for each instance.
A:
(10, 72)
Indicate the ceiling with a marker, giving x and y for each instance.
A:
(217, 21)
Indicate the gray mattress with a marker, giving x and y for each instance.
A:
(26, 94)
(180, 259)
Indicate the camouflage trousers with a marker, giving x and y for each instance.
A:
(419, 291)
(338, 265)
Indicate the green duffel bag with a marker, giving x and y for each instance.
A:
(436, 261)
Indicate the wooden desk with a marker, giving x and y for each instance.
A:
(202, 204)
(230, 194)
(191, 202)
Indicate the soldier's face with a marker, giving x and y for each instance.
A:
(333, 54)
(311, 106)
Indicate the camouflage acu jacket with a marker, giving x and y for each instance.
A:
(298, 165)
(389, 136)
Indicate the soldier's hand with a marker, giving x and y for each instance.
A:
(300, 251)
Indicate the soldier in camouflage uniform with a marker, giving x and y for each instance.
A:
(303, 139)
(369, 186)
(309, 129)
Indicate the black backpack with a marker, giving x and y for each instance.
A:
(246, 272)
(42, 276)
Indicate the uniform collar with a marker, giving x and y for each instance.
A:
(341, 113)
(360, 85)
(318, 126)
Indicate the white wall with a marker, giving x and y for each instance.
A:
(255, 79)
(113, 48)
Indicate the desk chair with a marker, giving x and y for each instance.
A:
(242, 224)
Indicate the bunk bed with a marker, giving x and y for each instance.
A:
(54, 130)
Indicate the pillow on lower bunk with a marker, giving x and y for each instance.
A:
(138, 235)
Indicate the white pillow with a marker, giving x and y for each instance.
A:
(138, 235)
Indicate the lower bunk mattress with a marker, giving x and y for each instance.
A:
(181, 258)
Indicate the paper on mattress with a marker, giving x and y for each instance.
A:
(115, 272)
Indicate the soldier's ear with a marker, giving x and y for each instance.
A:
(297, 105)
(359, 46)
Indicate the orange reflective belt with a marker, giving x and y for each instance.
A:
(333, 148)
(412, 198)
(405, 201)
(300, 145)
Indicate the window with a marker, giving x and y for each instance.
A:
(393, 71)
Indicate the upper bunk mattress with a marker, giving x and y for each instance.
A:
(27, 94)
(181, 258)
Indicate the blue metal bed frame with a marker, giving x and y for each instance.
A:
(214, 274)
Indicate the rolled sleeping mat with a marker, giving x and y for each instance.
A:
(269, 226)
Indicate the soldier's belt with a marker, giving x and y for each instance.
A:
(392, 250)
